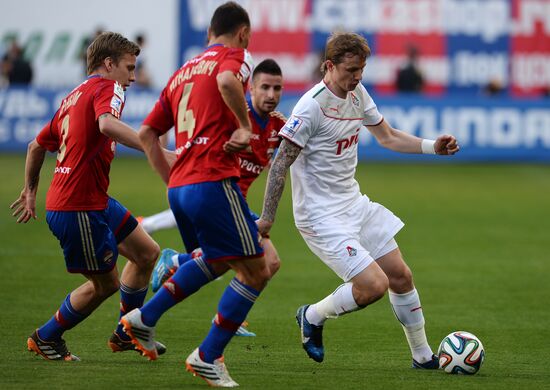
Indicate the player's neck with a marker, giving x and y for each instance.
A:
(227, 41)
(335, 89)
(262, 114)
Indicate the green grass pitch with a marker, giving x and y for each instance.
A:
(476, 238)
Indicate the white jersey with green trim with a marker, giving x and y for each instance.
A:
(327, 127)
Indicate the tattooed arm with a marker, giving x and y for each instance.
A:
(25, 206)
(287, 154)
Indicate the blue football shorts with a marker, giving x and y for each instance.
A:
(215, 216)
(89, 239)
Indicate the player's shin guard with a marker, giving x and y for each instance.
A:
(64, 319)
(338, 303)
(187, 280)
(130, 299)
(408, 311)
(234, 305)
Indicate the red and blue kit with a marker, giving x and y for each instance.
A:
(88, 224)
(192, 103)
(84, 154)
(263, 143)
(208, 205)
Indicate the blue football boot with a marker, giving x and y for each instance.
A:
(312, 336)
(432, 364)
(164, 268)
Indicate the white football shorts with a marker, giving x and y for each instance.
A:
(350, 242)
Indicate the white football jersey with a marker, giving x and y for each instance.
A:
(326, 127)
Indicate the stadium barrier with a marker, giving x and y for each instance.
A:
(488, 129)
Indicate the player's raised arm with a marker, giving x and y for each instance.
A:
(25, 205)
(399, 141)
(287, 154)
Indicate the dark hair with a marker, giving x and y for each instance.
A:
(228, 18)
(342, 44)
(268, 66)
(109, 44)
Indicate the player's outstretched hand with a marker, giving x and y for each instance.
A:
(24, 207)
(240, 139)
(264, 227)
(446, 145)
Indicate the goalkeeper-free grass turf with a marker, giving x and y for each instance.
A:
(476, 238)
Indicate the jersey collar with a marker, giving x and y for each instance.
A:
(259, 120)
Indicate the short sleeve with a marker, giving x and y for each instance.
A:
(238, 61)
(372, 116)
(303, 123)
(161, 117)
(109, 98)
(48, 136)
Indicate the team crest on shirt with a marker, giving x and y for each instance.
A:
(351, 251)
(292, 126)
(354, 99)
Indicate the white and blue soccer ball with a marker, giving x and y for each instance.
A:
(461, 353)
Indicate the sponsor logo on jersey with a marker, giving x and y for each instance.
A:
(250, 166)
(113, 146)
(255, 137)
(292, 126)
(343, 144)
(188, 144)
(63, 170)
(351, 251)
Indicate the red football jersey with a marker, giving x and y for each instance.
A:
(263, 142)
(84, 154)
(193, 104)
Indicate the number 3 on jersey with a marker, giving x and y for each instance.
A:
(186, 119)
(64, 133)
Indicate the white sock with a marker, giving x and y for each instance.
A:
(160, 221)
(408, 311)
(336, 304)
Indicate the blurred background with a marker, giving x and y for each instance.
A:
(479, 69)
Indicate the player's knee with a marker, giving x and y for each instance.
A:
(148, 257)
(258, 280)
(274, 266)
(367, 294)
(402, 281)
(105, 290)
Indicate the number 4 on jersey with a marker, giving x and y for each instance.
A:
(186, 119)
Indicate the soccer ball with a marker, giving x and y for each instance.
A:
(461, 353)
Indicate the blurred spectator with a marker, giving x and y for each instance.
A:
(493, 88)
(84, 48)
(15, 68)
(409, 76)
(143, 78)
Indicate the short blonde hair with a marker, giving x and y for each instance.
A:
(342, 44)
(109, 44)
